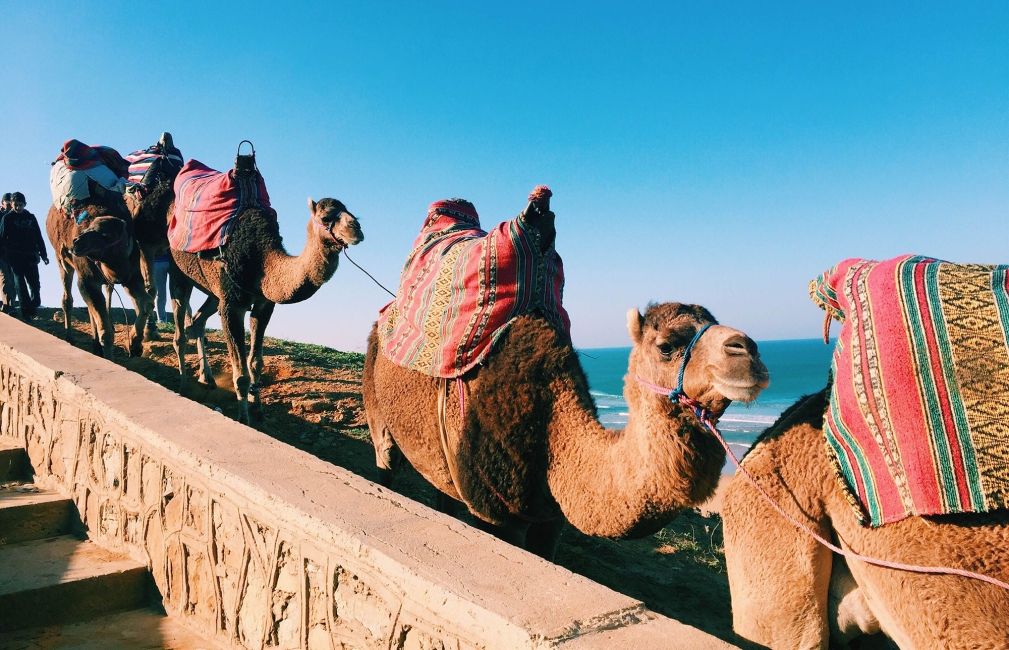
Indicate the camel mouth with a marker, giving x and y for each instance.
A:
(741, 391)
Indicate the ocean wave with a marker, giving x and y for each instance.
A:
(747, 418)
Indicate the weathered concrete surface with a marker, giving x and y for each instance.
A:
(137, 630)
(65, 579)
(27, 512)
(259, 543)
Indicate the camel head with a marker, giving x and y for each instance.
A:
(106, 238)
(337, 227)
(724, 364)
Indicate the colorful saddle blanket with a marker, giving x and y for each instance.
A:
(208, 203)
(918, 418)
(150, 165)
(76, 165)
(461, 288)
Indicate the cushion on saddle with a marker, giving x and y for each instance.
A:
(165, 166)
(78, 163)
(461, 288)
(208, 203)
(918, 417)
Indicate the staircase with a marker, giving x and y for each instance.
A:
(59, 590)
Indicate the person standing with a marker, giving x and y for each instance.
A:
(21, 240)
(8, 292)
(161, 263)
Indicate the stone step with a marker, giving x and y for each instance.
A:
(62, 580)
(140, 628)
(27, 513)
(14, 464)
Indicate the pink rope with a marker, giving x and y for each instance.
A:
(708, 420)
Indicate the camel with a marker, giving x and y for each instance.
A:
(788, 591)
(529, 452)
(150, 224)
(150, 214)
(102, 251)
(253, 274)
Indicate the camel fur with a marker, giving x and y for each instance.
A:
(529, 453)
(253, 274)
(789, 592)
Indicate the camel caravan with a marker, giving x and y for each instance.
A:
(878, 504)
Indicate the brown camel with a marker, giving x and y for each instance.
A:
(102, 251)
(787, 589)
(150, 224)
(150, 214)
(253, 274)
(530, 453)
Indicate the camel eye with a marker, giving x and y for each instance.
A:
(665, 349)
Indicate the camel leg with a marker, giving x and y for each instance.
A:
(198, 321)
(101, 323)
(258, 320)
(180, 289)
(147, 272)
(778, 575)
(234, 336)
(206, 373)
(143, 304)
(66, 277)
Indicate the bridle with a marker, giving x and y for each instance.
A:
(676, 395)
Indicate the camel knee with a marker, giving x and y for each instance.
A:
(242, 384)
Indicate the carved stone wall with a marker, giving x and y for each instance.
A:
(260, 545)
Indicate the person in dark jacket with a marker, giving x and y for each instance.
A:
(21, 240)
(8, 292)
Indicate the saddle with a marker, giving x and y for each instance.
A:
(918, 417)
(209, 202)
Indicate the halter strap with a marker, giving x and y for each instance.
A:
(676, 395)
(678, 391)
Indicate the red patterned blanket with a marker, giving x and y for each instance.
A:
(207, 205)
(461, 288)
(918, 418)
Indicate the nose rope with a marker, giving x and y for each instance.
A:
(708, 419)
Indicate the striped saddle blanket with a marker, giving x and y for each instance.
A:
(461, 288)
(208, 203)
(150, 165)
(918, 418)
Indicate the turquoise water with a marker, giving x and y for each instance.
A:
(798, 367)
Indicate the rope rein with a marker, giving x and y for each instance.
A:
(368, 274)
(708, 419)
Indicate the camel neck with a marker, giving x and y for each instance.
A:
(290, 279)
(663, 462)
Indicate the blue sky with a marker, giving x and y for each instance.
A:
(720, 153)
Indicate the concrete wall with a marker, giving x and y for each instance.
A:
(255, 543)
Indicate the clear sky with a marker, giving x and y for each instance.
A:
(719, 153)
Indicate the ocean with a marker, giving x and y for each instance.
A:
(798, 367)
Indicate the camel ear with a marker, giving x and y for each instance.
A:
(311, 205)
(634, 322)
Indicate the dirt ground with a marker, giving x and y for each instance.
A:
(312, 400)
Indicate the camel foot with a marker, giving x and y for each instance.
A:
(97, 349)
(137, 348)
(208, 380)
(152, 335)
(384, 477)
(256, 413)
